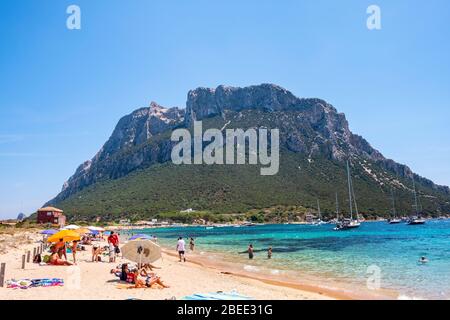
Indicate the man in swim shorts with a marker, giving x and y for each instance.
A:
(181, 249)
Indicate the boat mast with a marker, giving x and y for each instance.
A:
(337, 207)
(393, 203)
(318, 208)
(415, 196)
(354, 200)
(349, 192)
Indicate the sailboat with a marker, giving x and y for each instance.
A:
(417, 219)
(394, 220)
(351, 223)
(336, 220)
(319, 221)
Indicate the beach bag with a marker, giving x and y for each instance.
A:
(117, 250)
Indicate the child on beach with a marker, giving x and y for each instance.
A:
(269, 253)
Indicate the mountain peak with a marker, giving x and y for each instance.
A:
(310, 128)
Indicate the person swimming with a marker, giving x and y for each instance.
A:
(423, 260)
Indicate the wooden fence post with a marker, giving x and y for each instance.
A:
(35, 253)
(2, 274)
(23, 261)
(28, 256)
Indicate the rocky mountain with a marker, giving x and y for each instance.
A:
(312, 131)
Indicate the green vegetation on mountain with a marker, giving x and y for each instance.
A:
(163, 190)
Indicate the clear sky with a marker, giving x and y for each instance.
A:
(62, 91)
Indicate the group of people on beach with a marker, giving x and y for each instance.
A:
(140, 276)
(181, 249)
(112, 248)
(59, 251)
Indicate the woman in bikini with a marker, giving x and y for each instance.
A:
(144, 279)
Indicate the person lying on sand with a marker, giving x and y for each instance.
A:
(144, 279)
(122, 272)
(149, 267)
(57, 261)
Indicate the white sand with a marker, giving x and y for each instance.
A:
(90, 280)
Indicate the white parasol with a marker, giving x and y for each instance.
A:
(141, 251)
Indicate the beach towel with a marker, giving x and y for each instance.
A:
(34, 283)
(233, 295)
(132, 286)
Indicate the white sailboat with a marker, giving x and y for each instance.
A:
(394, 219)
(319, 221)
(417, 219)
(351, 223)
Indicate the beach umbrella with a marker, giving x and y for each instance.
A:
(96, 229)
(66, 235)
(71, 227)
(140, 237)
(82, 230)
(141, 251)
(49, 231)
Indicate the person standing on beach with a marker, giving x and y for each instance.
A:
(74, 251)
(112, 253)
(181, 249)
(269, 253)
(191, 244)
(113, 240)
(250, 251)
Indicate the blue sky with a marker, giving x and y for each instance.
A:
(62, 91)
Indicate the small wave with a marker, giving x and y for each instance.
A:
(251, 268)
(275, 272)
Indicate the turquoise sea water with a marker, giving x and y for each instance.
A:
(344, 256)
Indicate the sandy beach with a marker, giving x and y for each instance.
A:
(88, 280)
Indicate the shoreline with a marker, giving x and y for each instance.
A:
(96, 281)
(335, 291)
(316, 290)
